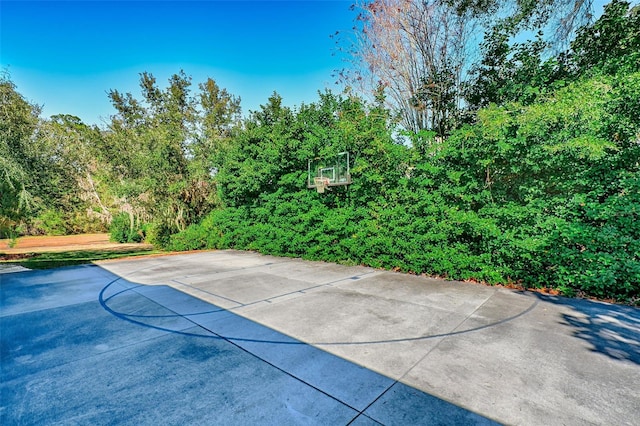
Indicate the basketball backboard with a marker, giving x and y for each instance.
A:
(332, 171)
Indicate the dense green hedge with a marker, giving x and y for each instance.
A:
(542, 190)
(545, 195)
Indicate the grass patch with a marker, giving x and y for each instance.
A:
(71, 258)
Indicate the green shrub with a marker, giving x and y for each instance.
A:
(122, 230)
(543, 195)
(52, 222)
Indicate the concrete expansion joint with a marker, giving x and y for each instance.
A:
(454, 332)
(282, 297)
(285, 371)
(199, 290)
(351, 279)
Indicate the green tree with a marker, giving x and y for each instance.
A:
(556, 179)
(522, 72)
(147, 146)
(162, 149)
(18, 123)
(421, 53)
(252, 163)
(611, 45)
(511, 72)
(70, 176)
(558, 18)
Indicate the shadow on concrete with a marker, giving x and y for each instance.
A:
(611, 330)
(147, 321)
(380, 400)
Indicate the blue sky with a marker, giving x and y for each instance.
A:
(67, 55)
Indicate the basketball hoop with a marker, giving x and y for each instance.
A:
(324, 173)
(321, 184)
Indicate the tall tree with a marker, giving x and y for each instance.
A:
(421, 51)
(523, 71)
(221, 110)
(414, 51)
(558, 18)
(47, 168)
(218, 118)
(18, 122)
(162, 146)
(70, 180)
(148, 146)
(611, 45)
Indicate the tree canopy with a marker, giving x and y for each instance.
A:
(424, 54)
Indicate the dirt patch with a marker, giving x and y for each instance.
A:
(44, 244)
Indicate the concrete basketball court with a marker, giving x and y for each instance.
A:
(228, 337)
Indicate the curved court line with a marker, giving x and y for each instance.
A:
(434, 336)
(128, 317)
(219, 337)
(147, 316)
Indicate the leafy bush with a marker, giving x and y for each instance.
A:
(540, 191)
(541, 195)
(124, 230)
(51, 222)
